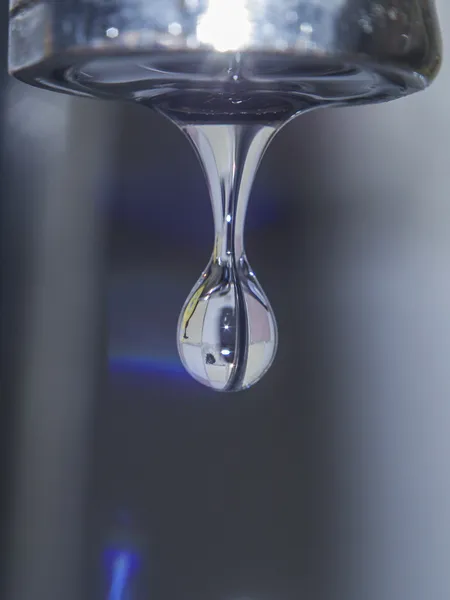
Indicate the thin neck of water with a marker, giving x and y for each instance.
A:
(230, 156)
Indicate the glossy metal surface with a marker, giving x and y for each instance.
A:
(144, 48)
(227, 334)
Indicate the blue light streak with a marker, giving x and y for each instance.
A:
(120, 576)
(148, 364)
(122, 565)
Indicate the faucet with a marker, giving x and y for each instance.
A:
(230, 74)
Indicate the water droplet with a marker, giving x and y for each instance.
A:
(175, 28)
(227, 333)
(306, 28)
(112, 32)
(392, 14)
(366, 24)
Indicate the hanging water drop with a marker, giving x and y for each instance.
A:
(227, 333)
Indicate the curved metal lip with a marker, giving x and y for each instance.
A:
(49, 37)
(141, 25)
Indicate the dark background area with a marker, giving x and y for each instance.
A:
(125, 479)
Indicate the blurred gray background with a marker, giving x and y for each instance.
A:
(125, 480)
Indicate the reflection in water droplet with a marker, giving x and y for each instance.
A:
(227, 334)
